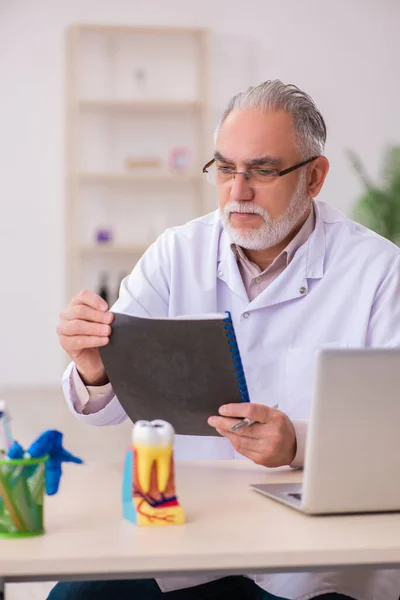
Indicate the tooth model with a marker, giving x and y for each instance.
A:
(148, 493)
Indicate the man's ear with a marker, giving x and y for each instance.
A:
(318, 171)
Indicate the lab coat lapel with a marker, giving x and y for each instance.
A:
(228, 270)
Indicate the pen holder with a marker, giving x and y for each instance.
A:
(148, 492)
(22, 483)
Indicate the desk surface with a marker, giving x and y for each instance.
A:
(230, 529)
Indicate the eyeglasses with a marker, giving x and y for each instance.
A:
(257, 177)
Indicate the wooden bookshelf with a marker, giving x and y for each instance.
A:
(132, 92)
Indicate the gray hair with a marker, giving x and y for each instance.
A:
(274, 95)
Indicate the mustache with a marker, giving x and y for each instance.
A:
(245, 208)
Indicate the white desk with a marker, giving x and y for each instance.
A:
(230, 529)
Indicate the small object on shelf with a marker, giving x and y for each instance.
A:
(148, 493)
(150, 162)
(140, 75)
(179, 159)
(104, 291)
(103, 236)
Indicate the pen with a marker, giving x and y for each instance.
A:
(247, 422)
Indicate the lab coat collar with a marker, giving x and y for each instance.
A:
(227, 267)
(316, 245)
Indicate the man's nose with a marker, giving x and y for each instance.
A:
(240, 188)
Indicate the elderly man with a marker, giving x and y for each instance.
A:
(296, 275)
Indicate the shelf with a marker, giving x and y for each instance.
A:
(152, 106)
(112, 249)
(133, 96)
(141, 177)
(155, 30)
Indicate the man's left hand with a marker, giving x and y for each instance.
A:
(270, 441)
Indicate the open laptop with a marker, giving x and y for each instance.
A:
(352, 461)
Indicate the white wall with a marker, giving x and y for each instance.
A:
(343, 52)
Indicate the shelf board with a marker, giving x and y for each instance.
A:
(109, 248)
(140, 105)
(141, 177)
(147, 30)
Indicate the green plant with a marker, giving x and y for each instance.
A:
(379, 206)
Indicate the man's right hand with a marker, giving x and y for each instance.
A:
(84, 327)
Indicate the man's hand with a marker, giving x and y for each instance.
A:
(270, 442)
(84, 327)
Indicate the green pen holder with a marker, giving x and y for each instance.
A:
(22, 486)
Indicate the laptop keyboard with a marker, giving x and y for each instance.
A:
(295, 496)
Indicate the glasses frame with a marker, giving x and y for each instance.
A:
(277, 173)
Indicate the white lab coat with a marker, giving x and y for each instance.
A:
(342, 289)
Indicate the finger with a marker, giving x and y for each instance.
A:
(82, 342)
(85, 313)
(241, 443)
(226, 424)
(90, 299)
(252, 450)
(249, 410)
(78, 328)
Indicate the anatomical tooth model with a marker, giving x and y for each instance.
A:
(148, 495)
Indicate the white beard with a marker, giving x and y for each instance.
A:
(273, 231)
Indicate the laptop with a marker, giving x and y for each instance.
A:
(352, 457)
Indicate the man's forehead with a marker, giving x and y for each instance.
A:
(250, 118)
(252, 134)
